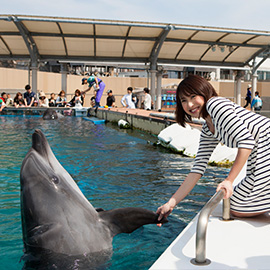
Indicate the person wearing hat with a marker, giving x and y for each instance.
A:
(43, 101)
(248, 96)
(110, 99)
(97, 84)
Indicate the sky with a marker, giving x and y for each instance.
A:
(237, 14)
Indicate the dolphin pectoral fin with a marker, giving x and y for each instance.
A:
(127, 220)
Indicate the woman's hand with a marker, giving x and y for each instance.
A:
(227, 186)
(164, 211)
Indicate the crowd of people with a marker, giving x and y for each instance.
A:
(30, 99)
(129, 100)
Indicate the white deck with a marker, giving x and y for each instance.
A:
(238, 244)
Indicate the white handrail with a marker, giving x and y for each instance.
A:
(202, 226)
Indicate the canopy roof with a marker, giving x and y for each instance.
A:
(49, 38)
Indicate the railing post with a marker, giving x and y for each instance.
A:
(202, 226)
(226, 210)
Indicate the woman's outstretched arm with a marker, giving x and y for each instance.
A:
(179, 195)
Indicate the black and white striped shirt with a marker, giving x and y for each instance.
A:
(237, 127)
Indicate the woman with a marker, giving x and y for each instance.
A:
(52, 101)
(61, 100)
(43, 101)
(235, 127)
(77, 100)
(18, 100)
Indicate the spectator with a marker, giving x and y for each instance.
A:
(110, 99)
(29, 96)
(9, 101)
(18, 100)
(77, 100)
(4, 97)
(256, 102)
(61, 100)
(3, 101)
(147, 99)
(52, 101)
(127, 99)
(248, 96)
(2, 105)
(93, 100)
(43, 101)
(135, 100)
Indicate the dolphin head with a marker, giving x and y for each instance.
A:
(50, 114)
(51, 202)
(57, 217)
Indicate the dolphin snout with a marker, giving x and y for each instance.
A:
(39, 141)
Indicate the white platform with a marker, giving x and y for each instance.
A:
(237, 244)
(80, 112)
(186, 140)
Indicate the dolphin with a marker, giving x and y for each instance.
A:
(57, 217)
(51, 114)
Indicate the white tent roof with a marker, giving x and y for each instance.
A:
(49, 38)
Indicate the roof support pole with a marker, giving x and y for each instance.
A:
(153, 85)
(254, 79)
(64, 72)
(153, 60)
(255, 67)
(29, 73)
(254, 76)
(34, 69)
(159, 80)
(148, 79)
(238, 78)
(32, 49)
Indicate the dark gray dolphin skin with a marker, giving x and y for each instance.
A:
(51, 114)
(57, 217)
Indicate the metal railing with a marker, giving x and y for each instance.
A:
(202, 225)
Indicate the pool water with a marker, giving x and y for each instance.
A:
(113, 168)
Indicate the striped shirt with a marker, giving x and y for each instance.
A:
(237, 127)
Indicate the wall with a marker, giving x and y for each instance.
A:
(13, 78)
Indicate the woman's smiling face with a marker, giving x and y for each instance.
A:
(192, 105)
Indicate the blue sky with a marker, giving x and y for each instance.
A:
(239, 14)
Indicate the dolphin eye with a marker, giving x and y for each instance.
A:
(55, 179)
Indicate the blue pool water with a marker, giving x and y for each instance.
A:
(113, 168)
